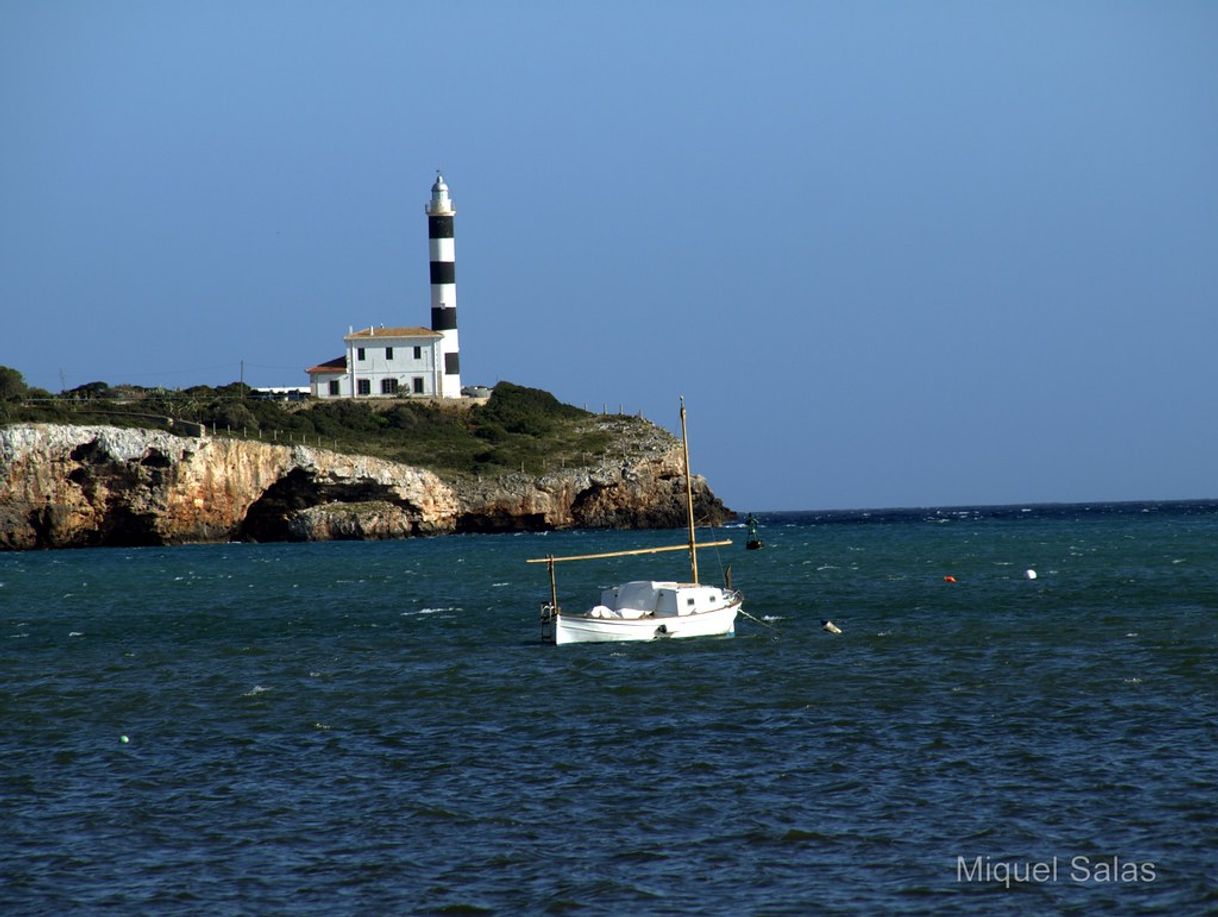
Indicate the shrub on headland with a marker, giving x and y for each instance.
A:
(531, 411)
(89, 390)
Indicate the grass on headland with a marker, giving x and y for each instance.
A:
(517, 429)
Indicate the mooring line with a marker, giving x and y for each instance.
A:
(758, 620)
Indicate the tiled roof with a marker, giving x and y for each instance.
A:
(337, 365)
(378, 333)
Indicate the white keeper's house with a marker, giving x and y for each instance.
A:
(382, 361)
(385, 362)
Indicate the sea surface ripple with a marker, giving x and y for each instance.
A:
(376, 728)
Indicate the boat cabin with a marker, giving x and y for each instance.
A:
(641, 598)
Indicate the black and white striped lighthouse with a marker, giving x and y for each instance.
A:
(440, 213)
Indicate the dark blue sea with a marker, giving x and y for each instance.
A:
(375, 728)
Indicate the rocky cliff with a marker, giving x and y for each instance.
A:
(75, 486)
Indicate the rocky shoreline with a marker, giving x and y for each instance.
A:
(82, 486)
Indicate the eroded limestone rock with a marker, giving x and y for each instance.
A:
(77, 486)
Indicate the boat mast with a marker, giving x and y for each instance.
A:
(689, 498)
(553, 586)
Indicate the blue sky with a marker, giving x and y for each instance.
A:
(893, 254)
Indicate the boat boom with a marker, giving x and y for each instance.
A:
(675, 547)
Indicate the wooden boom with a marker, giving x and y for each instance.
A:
(675, 547)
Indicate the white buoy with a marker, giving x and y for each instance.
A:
(1030, 573)
(830, 627)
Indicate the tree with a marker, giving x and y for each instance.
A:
(89, 390)
(12, 384)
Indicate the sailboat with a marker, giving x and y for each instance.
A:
(646, 609)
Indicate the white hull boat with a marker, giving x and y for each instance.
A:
(646, 609)
(717, 617)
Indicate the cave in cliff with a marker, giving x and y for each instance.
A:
(270, 517)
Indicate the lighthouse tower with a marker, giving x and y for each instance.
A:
(440, 215)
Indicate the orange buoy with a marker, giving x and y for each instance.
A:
(949, 579)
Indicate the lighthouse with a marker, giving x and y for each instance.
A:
(440, 213)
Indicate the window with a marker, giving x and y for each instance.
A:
(364, 387)
(389, 386)
(388, 353)
(359, 353)
(418, 383)
(418, 353)
(333, 386)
